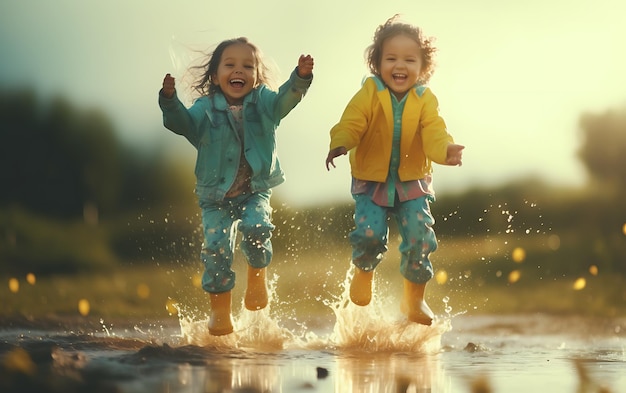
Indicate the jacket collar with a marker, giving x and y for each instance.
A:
(220, 103)
(380, 86)
(410, 119)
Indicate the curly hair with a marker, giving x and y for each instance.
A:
(391, 28)
(204, 84)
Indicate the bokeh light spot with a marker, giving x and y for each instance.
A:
(624, 229)
(14, 285)
(554, 242)
(514, 276)
(196, 280)
(593, 270)
(518, 254)
(170, 306)
(18, 360)
(580, 283)
(441, 277)
(143, 291)
(31, 279)
(84, 307)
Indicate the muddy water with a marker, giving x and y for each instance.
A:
(366, 349)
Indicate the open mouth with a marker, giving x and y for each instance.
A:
(399, 77)
(237, 83)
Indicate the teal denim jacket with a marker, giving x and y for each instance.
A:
(209, 126)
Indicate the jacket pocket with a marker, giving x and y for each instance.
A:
(208, 163)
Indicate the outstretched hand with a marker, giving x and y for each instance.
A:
(305, 66)
(169, 86)
(336, 152)
(455, 154)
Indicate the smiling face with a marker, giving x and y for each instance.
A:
(400, 64)
(236, 73)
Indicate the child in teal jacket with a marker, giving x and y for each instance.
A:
(233, 127)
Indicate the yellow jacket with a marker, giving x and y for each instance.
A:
(366, 130)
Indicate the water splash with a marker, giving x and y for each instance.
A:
(252, 329)
(378, 327)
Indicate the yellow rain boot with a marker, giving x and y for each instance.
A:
(220, 322)
(413, 304)
(361, 287)
(256, 293)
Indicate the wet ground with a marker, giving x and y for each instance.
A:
(366, 350)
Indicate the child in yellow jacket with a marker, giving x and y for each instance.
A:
(393, 131)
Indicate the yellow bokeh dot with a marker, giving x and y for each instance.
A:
(14, 285)
(196, 280)
(19, 360)
(580, 283)
(624, 229)
(441, 277)
(593, 270)
(83, 307)
(518, 254)
(554, 242)
(143, 291)
(170, 306)
(31, 279)
(514, 276)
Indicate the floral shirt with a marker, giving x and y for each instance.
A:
(241, 185)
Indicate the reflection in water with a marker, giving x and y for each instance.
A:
(369, 349)
(261, 372)
(393, 372)
(512, 354)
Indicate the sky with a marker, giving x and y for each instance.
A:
(512, 78)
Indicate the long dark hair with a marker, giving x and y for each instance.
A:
(204, 84)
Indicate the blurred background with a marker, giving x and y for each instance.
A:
(97, 211)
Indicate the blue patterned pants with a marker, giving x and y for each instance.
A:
(248, 213)
(369, 238)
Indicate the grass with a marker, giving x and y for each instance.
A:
(478, 281)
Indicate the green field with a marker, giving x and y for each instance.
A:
(479, 280)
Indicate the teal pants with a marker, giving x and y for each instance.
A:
(369, 238)
(251, 215)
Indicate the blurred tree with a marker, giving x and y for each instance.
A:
(604, 146)
(56, 160)
(63, 170)
(603, 218)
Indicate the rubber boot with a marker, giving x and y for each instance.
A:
(413, 304)
(361, 287)
(220, 322)
(256, 292)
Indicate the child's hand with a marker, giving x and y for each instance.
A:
(169, 86)
(455, 154)
(305, 66)
(336, 152)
